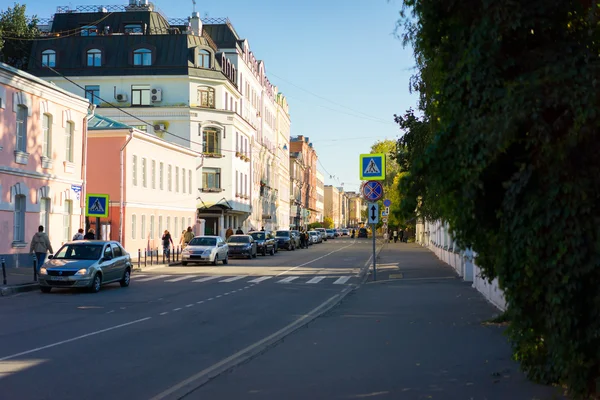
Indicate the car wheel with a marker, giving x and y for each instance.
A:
(272, 251)
(96, 283)
(216, 260)
(126, 278)
(45, 289)
(226, 260)
(184, 263)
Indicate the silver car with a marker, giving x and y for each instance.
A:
(203, 249)
(87, 264)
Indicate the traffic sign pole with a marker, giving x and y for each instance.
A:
(374, 254)
(373, 217)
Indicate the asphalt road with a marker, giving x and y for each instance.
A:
(170, 330)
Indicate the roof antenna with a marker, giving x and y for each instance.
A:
(194, 8)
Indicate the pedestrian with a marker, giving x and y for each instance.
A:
(90, 235)
(302, 240)
(167, 243)
(181, 238)
(79, 235)
(228, 233)
(395, 235)
(262, 229)
(239, 231)
(188, 236)
(401, 235)
(40, 246)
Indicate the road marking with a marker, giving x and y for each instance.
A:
(312, 261)
(182, 278)
(226, 294)
(177, 309)
(288, 279)
(164, 313)
(200, 302)
(341, 280)
(211, 299)
(137, 276)
(112, 328)
(216, 297)
(190, 305)
(317, 279)
(235, 278)
(258, 280)
(208, 278)
(152, 278)
(247, 287)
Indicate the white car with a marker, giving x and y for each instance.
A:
(315, 237)
(203, 249)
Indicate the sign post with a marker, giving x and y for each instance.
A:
(373, 212)
(96, 205)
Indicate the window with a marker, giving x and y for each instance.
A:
(177, 179)
(246, 184)
(22, 128)
(183, 180)
(45, 213)
(92, 93)
(153, 174)
(237, 139)
(94, 58)
(134, 28)
(151, 236)
(48, 58)
(225, 108)
(169, 224)
(210, 141)
(143, 231)
(133, 225)
(211, 178)
(169, 183)
(67, 214)
(144, 173)
(189, 222)
(160, 226)
(47, 129)
(204, 59)
(183, 224)
(237, 184)
(19, 219)
(134, 170)
(176, 230)
(161, 179)
(117, 252)
(190, 181)
(142, 57)
(69, 141)
(140, 95)
(206, 97)
(89, 30)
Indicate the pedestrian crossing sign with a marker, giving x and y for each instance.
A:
(372, 167)
(96, 205)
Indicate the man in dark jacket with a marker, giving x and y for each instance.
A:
(90, 235)
(239, 231)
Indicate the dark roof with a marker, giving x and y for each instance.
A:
(222, 34)
(153, 21)
(99, 122)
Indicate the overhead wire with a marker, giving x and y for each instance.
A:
(71, 32)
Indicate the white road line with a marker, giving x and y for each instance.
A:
(312, 261)
(235, 278)
(152, 278)
(164, 313)
(247, 287)
(258, 280)
(137, 276)
(112, 328)
(182, 278)
(177, 309)
(216, 297)
(317, 279)
(208, 278)
(200, 302)
(190, 305)
(212, 298)
(226, 294)
(341, 280)
(288, 279)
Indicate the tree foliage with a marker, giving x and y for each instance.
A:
(16, 32)
(507, 153)
(327, 222)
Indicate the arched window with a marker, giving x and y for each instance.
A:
(206, 97)
(204, 59)
(94, 58)
(49, 58)
(142, 57)
(47, 130)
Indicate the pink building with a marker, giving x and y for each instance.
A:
(151, 184)
(42, 136)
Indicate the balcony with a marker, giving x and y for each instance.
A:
(211, 190)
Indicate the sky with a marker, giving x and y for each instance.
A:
(338, 62)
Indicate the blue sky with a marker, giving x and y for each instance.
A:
(337, 61)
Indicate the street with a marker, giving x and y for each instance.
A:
(172, 329)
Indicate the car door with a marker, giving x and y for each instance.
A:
(107, 266)
(119, 259)
(221, 249)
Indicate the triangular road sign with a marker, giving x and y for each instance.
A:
(372, 168)
(97, 207)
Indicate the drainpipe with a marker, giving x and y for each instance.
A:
(121, 202)
(88, 117)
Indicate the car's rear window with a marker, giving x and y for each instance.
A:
(203, 241)
(258, 235)
(282, 233)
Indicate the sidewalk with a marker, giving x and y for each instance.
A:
(419, 332)
(17, 280)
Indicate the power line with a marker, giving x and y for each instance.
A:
(70, 32)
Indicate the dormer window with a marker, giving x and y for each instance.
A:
(89, 30)
(94, 58)
(142, 57)
(49, 58)
(204, 59)
(133, 28)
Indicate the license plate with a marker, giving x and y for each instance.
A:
(59, 278)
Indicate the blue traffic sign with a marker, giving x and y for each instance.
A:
(96, 205)
(372, 190)
(372, 167)
(387, 202)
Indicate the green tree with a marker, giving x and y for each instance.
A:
(507, 153)
(328, 222)
(16, 32)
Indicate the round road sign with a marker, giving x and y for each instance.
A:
(387, 202)
(372, 190)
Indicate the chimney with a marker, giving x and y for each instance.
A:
(196, 24)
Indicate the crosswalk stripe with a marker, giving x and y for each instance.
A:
(341, 280)
(317, 279)
(152, 278)
(235, 278)
(137, 276)
(182, 278)
(288, 279)
(208, 278)
(258, 280)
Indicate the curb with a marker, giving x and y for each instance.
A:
(8, 290)
(365, 271)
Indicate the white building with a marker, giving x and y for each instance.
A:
(320, 196)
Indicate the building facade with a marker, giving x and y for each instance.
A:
(42, 162)
(282, 166)
(301, 146)
(355, 206)
(332, 204)
(320, 196)
(151, 184)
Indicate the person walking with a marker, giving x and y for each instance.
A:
(401, 235)
(90, 235)
(79, 235)
(167, 242)
(239, 231)
(228, 233)
(188, 236)
(302, 239)
(40, 246)
(395, 235)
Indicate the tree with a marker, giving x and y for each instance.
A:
(16, 32)
(507, 154)
(328, 222)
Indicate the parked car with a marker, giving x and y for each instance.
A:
(242, 246)
(86, 264)
(337, 233)
(265, 242)
(345, 232)
(323, 233)
(315, 237)
(296, 237)
(203, 249)
(330, 234)
(285, 240)
(362, 233)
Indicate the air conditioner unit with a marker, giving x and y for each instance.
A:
(159, 127)
(121, 97)
(156, 94)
